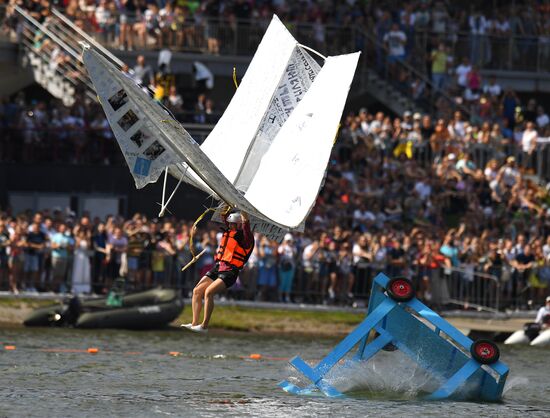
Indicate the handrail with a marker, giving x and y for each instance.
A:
(46, 31)
(71, 67)
(88, 38)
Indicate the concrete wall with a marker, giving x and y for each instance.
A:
(79, 182)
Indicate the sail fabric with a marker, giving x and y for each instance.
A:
(294, 83)
(228, 143)
(143, 153)
(292, 170)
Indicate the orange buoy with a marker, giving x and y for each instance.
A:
(255, 356)
(93, 350)
(9, 347)
(174, 353)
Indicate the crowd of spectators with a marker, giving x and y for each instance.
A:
(449, 197)
(480, 31)
(402, 195)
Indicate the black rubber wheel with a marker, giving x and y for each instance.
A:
(400, 289)
(485, 351)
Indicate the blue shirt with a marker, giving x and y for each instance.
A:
(63, 241)
(450, 252)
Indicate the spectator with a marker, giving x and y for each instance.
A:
(439, 66)
(528, 144)
(117, 245)
(287, 267)
(61, 245)
(143, 74)
(81, 271)
(462, 72)
(542, 118)
(267, 270)
(34, 245)
(395, 41)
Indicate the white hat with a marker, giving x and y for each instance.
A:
(288, 237)
(451, 156)
(234, 218)
(547, 299)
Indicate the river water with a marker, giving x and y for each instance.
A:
(51, 374)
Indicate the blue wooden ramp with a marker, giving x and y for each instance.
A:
(421, 334)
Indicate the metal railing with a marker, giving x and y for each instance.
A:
(537, 164)
(493, 290)
(472, 289)
(509, 52)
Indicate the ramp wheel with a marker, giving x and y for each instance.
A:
(485, 351)
(400, 289)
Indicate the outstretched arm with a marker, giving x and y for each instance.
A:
(247, 232)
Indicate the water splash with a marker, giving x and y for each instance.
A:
(514, 382)
(388, 375)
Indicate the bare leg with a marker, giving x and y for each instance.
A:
(198, 294)
(216, 287)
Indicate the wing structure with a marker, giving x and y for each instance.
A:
(268, 153)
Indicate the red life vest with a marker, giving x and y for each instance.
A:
(231, 251)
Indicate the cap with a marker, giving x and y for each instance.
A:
(451, 156)
(511, 159)
(417, 115)
(407, 113)
(547, 299)
(288, 237)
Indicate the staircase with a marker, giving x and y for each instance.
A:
(385, 92)
(52, 50)
(376, 79)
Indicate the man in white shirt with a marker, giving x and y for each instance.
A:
(542, 117)
(493, 89)
(543, 315)
(479, 48)
(462, 72)
(395, 40)
(528, 143)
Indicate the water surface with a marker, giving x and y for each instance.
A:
(50, 373)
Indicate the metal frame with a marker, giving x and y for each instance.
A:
(421, 334)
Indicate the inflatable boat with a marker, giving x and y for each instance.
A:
(531, 334)
(154, 308)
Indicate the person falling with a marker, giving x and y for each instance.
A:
(235, 247)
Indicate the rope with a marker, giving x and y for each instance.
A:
(235, 78)
(193, 228)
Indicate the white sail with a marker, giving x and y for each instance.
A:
(294, 83)
(228, 143)
(291, 172)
